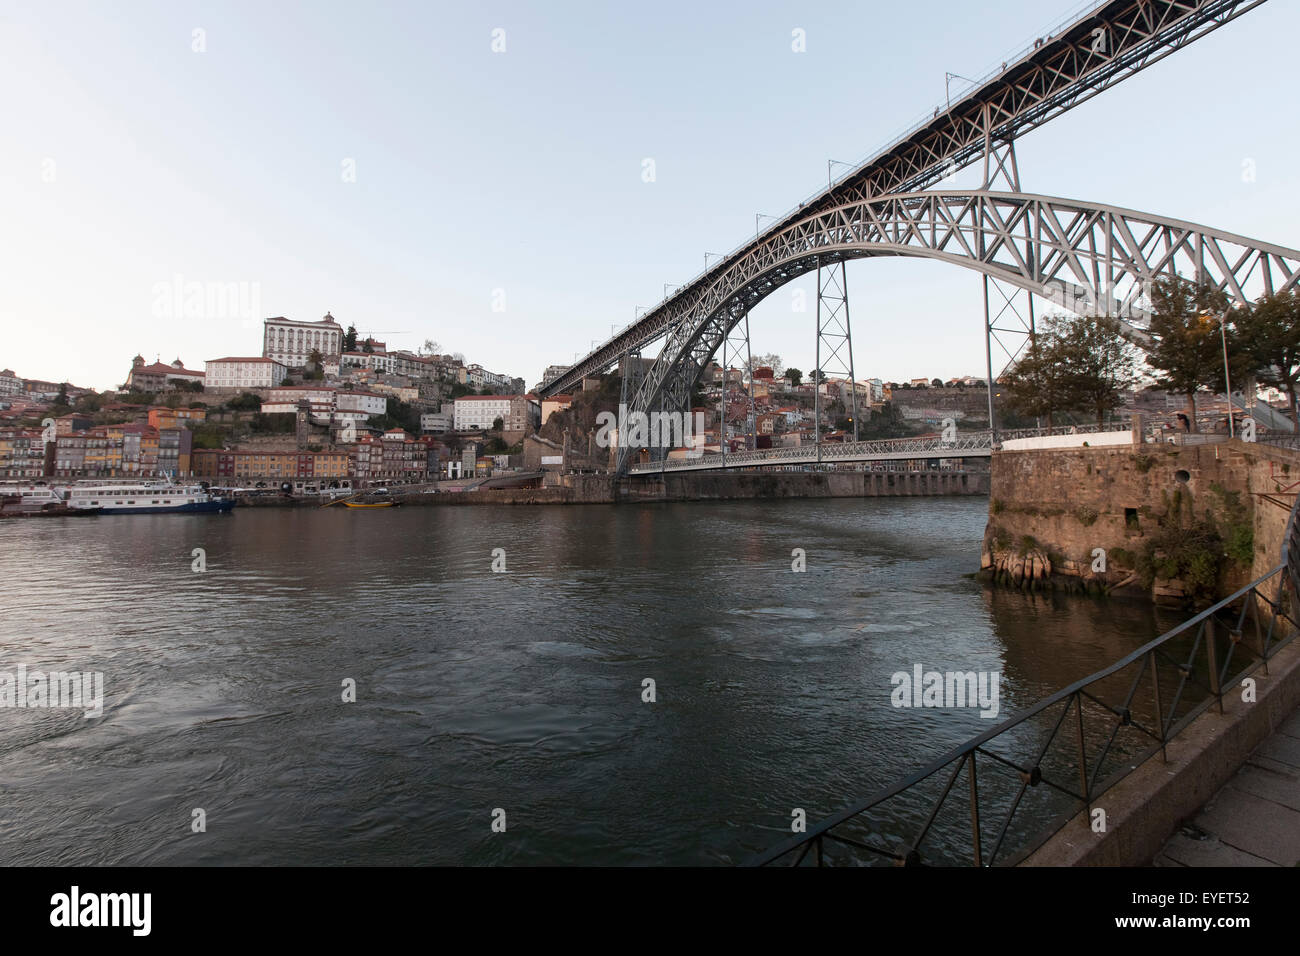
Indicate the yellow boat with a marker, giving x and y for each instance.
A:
(370, 504)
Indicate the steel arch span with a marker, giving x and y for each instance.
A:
(1080, 255)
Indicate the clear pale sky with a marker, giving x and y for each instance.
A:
(128, 159)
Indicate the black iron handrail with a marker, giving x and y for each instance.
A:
(1269, 601)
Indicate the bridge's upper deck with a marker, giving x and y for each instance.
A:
(1101, 45)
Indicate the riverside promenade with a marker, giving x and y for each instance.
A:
(1254, 819)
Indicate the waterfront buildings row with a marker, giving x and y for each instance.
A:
(132, 450)
(106, 451)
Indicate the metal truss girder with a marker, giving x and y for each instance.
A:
(1065, 70)
(965, 444)
(1076, 254)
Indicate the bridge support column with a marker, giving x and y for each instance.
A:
(736, 345)
(1000, 168)
(633, 371)
(835, 333)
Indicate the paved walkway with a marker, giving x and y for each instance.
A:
(1255, 819)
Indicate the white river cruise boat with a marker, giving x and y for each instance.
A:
(145, 497)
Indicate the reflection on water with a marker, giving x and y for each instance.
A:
(520, 690)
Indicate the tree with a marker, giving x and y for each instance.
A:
(1269, 337)
(367, 347)
(62, 397)
(1187, 346)
(431, 347)
(350, 339)
(795, 376)
(498, 424)
(1074, 362)
(1033, 385)
(936, 383)
(1099, 363)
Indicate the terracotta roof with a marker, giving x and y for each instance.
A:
(161, 368)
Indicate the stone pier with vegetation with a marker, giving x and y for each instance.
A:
(1181, 524)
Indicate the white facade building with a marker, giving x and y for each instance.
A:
(243, 373)
(475, 412)
(291, 343)
(439, 422)
(10, 384)
(361, 405)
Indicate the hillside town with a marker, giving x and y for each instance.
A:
(321, 409)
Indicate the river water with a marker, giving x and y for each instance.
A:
(519, 690)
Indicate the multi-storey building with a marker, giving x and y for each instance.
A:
(478, 412)
(22, 453)
(114, 451)
(556, 403)
(10, 384)
(70, 454)
(284, 399)
(242, 465)
(174, 451)
(440, 421)
(479, 377)
(291, 343)
(395, 363)
(327, 404)
(175, 417)
(244, 373)
(71, 422)
(395, 456)
(159, 377)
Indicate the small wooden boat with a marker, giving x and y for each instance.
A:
(368, 504)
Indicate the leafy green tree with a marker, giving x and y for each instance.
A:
(1075, 362)
(1099, 363)
(245, 401)
(350, 339)
(795, 376)
(1034, 386)
(498, 424)
(62, 397)
(1187, 342)
(1269, 338)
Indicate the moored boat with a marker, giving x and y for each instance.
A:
(146, 497)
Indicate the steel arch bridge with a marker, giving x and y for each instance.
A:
(1078, 254)
(1074, 252)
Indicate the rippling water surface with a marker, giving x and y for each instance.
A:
(478, 690)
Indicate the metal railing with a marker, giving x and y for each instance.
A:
(1028, 776)
(963, 445)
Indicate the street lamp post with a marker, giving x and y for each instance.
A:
(1227, 380)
